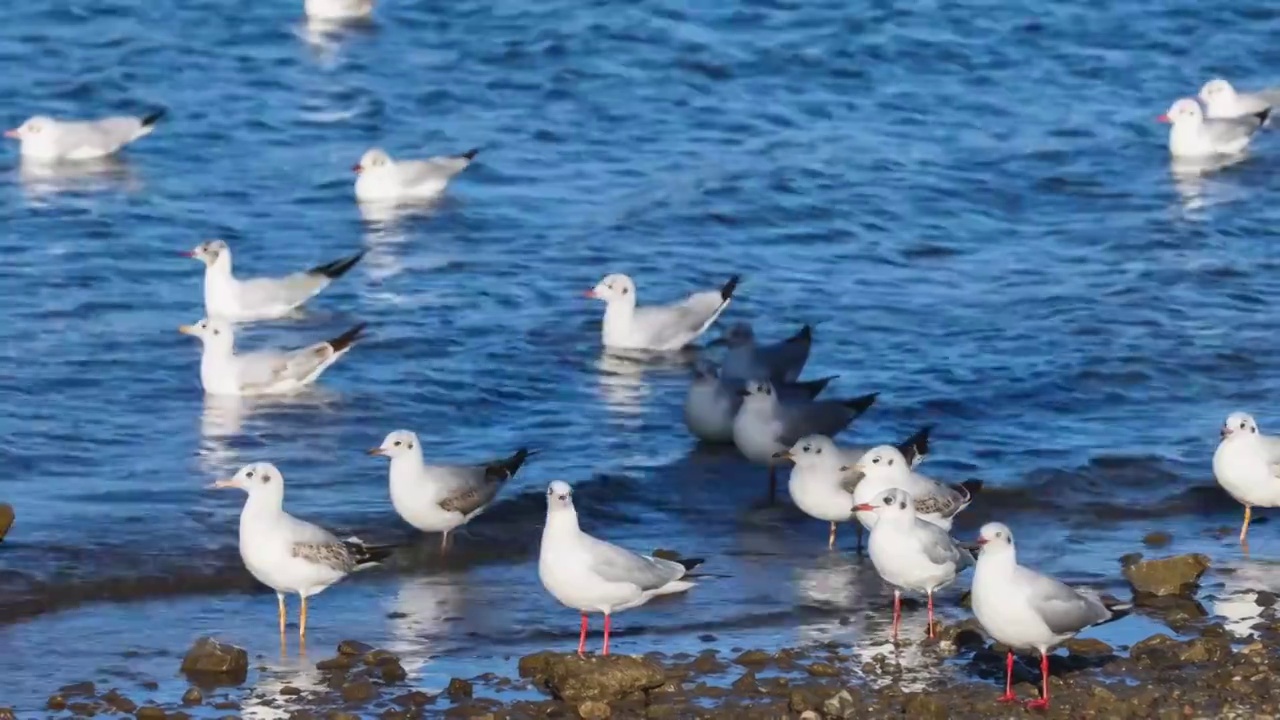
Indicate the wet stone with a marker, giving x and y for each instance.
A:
(150, 712)
(177, 715)
(359, 690)
(82, 709)
(841, 705)
(417, 698)
(226, 705)
(80, 688)
(594, 710)
(354, 647)
(340, 715)
(6, 713)
(1176, 575)
(753, 657)
(459, 689)
(1088, 647)
(1159, 538)
(822, 669)
(212, 661)
(378, 657)
(606, 678)
(290, 691)
(6, 519)
(192, 696)
(392, 672)
(1265, 598)
(747, 683)
(338, 662)
(119, 702)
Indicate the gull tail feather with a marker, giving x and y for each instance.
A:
(505, 469)
(368, 554)
(815, 387)
(726, 292)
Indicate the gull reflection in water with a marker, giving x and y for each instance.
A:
(224, 418)
(384, 216)
(43, 178)
(1237, 601)
(325, 35)
(297, 672)
(1192, 178)
(422, 613)
(621, 381)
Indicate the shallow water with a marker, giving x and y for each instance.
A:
(971, 198)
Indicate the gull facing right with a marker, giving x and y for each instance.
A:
(655, 327)
(264, 372)
(440, 498)
(1247, 465)
(45, 138)
(713, 401)
(262, 298)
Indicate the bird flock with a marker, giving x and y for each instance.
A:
(753, 398)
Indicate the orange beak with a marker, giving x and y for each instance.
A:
(1163, 119)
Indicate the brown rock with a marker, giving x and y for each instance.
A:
(459, 689)
(150, 712)
(340, 715)
(56, 702)
(1152, 647)
(594, 710)
(413, 699)
(290, 691)
(359, 690)
(6, 519)
(599, 677)
(340, 663)
(80, 688)
(747, 683)
(213, 662)
(7, 714)
(354, 647)
(177, 715)
(1159, 538)
(1089, 647)
(374, 658)
(924, 706)
(841, 706)
(83, 709)
(822, 669)
(392, 672)
(192, 696)
(119, 702)
(1176, 575)
(753, 657)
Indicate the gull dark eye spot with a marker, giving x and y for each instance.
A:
(266, 478)
(249, 474)
(890, 461)
(397, 443)
(818, 451)
(409, 446)
(875, 461)
(888, 499)
(902, 506)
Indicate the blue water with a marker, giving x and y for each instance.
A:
(972, 199)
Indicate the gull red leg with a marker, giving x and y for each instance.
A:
(606, 633)
(1008, 695)
(1043, 702)
(930, 614)
(897, 613)
(582, 638)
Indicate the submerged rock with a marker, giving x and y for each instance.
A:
(1176, 575)
(6, 519)
(150, 712)
(211, 661)
(354, 647)
(1158, 538)
(599, 677)
(1089, 647)
(459, 689)
(192, 696)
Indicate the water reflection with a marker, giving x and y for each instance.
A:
(1192, 178)
(225, 417)
(383, 216)
(42, 178)
(1237, 602)
(422, 612)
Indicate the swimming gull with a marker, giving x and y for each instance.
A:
(264, 372)
(712, 401)
(46, 138)
(338, 9)
(781, 361)
(1221, 100)
(382, 179)
(262, 298)
(1192, 135)
(656, 327)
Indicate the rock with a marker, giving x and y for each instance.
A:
(6, 713)
(177, 715)
(192, 696)
(119, 702)
(753, 657)
(56, 702)
(374, 658)
(1263, 598)
(822, 669)
(1089, 647)
(1176, 575)
(150, 712)
(83, 709)
(1152, 647)
(459, 689)
(810, 715)
(337, 662)
(804, 699)
(594, 710)
(841, 705)
(1159, 538)
(340, 715)
(219, 663)
(290, 691)
(359, 690)
(80, 688)
(747, 683)
(414, 699)
(354, 647)
(924, 706)
(599, 677)
(6, 519)
(392, 672)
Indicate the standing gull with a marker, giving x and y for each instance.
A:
(265, 372)
(290, 555)
(656, 327)
(713, 401)
(765, 426)
(819, 483)
(382, 179)
(1247, 465)
(439, 498)
(783, 360)
(1023, 609)
(884, 468)
(263, 298)
(1221, 100)
(45, 138)
(909, 553)
(1192, 135)
(591, 575)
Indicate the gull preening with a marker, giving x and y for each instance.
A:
(46, 138)
(1221, 100)
(263, 372)
(593, 576)
(885, 467)
(781, 361)
(382, 179)
(656, 327)
(1025, 610)
(440, 498)
(285, 553)
(338, 9)
(712, 401)
(1192, 135)
(909, 553)
(765, 426)
(264, 298)
(1247, 465)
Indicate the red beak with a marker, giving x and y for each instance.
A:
(1226, 431)
(1163, 119)
(356, 168)
(12, 133)
(590, 293)
(865, 507)
(982, 540)
(188, 253)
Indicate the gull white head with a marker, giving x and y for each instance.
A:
(397, 444)
(758, 392)
(811, 451)
(209, 252)
(260, 479)
(559, 497)
(995, 539)
(892, 503)
(1183, 112)
(1239, 424)
(1217, 91)
(614, 288)
(373, 160)
(885, 460)
(37, 130)
(215, 334)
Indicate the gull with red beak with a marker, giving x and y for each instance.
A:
(909, 553)
(48, 139)
(659, 328)
(886, 467)
(262, 298)
(264, 372)
(382, 179)
(1247, 465)
(1192, 135)
(285, 553)
(1022, 609)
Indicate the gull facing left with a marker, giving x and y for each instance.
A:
(1221, 100)
(660, 328)
(382, 179)
(264, 372)
(1247, 465)
(263, 298)
(285, 553)
(48, 139)
(745, 360)
(1192, 135)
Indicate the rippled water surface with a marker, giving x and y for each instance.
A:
(971, 198)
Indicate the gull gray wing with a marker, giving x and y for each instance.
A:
(265, 369)
(343, 556)
(667, 324)
(942, 500)
(472, 488)
(940, 547)
(1062, 608)
(1224, 131)
(616, 564)
(787, 358)
(295, 289)
(437, 169)
(821, 417)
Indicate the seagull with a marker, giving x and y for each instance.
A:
(382, 179)
(264, 298)
(765, 426)
(656, 327)
(591, 575)
(439, 498)
(1221, 100)
(1247, 465)
(46, 138)
(338, 9)
(265, 372)
(290, 555)
(884, 468)
(713, 401)
(783, 360)
(1023, 609)
(1194, 136)
(909, 553)
(818, 484)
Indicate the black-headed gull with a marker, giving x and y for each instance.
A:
(909, 553)
(338, 9)
(262, 298)
(655, 327)
(1221, 100)
(46, 138)
(883, 468)
(382, 179)
(285, 553)
(593, 576)
(764, 426)
(820, 485)
(713, 401)
(440, 498)
(265, 372)
(781, 361)
(1024, 610)
(1192, 135)
(1247, 465)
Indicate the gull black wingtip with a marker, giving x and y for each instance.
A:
(348, 338)
(726, 292)
(918, 444)
(862, 403)
(1263, 116)
(813, 388)
(369, 554)
(470, 154)
(337, 268)
(690, 563)
(152, 118)
(972, 487)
